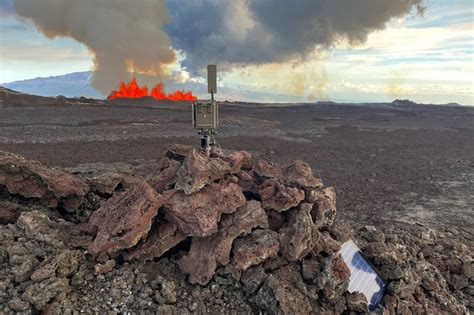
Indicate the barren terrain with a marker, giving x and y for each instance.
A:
(403, 176)
(388, 163)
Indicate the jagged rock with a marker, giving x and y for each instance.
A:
(62, 265)
(199, 213)
(165, 175)
(325, 243)
(208, 252)
(276, 219)
(356, 302)
(248, 182)
(10, 212)
(51, 187)
(162, 237)
(341, 232)
(253, 250)
(280, 293)
(19, 305)
(106, 183)
(297, 235)
(301, 175)
(239, 160)
(125, 218)
(253, 278)
(178, 152)
(278, 197)
(39, 294)
(39, 226)
(265, 169)
(324, 208)
(333, 277)
(199, 170)
(104, 268)
(22, 262)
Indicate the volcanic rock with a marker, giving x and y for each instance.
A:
(199, 213)
(324, 209)
(254, 249)
(32, 180)
(106, 183)
(356, 302)
(274, 195)
(265, 169)
(39, 294)
(161, 238)
(125, 218)
(280, 293)
(9, 212)
(199, 170)
(325, 243)
(165, 175)
(208, 252)
(300, 174)
(239, 160)
(297, 236)
(178, 152)
(62, 265)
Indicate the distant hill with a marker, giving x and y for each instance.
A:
(69, 85)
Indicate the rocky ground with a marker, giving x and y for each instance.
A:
(402, 176)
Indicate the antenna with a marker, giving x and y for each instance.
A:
(212, 80)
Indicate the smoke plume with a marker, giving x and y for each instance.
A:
(124, 36)
(242, 32)
(142, 35)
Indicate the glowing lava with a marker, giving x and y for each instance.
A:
(133, 90)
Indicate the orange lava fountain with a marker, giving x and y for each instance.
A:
(133, 90)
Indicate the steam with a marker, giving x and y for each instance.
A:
(124, 36)
(242, 32)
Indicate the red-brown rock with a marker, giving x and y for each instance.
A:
(106, 183)
(32, 180)
(301, 175)
(325, 243)
(297, 236)
(199, 170)
(199, 213)
(276, 196)
(125, 218)
(165, 175)
(254, 249)
(267, 169)
(324, 209)
(239, 159)
(208, 252)
(162, 237)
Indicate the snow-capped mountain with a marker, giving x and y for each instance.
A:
(70, 85)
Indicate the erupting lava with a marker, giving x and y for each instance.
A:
(133, 90)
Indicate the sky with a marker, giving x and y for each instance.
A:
(428, 59)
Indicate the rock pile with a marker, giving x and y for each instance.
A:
(205, 232)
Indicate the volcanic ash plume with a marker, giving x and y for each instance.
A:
(124, 36)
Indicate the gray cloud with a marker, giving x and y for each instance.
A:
(236, 32)
(122, 34)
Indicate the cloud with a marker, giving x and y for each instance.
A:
(245, 32)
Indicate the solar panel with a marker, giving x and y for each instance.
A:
(364, 278)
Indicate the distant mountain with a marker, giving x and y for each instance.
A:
(79, 84)
(70, 85)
